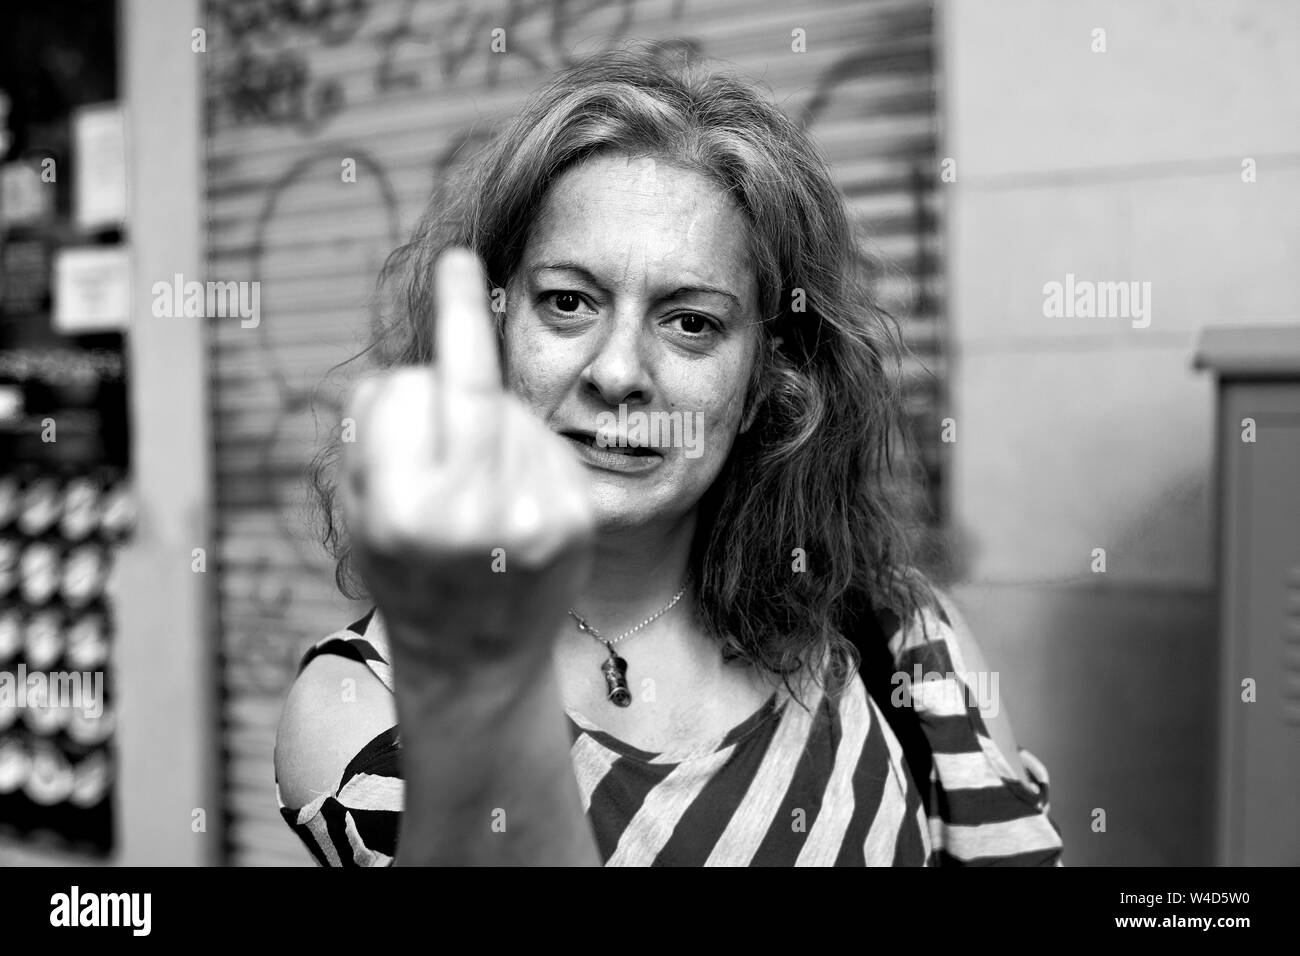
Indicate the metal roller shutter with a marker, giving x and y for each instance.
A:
(295, 87)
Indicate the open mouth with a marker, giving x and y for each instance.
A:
(589, 441)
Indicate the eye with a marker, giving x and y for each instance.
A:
(694, 324)
(566, 301)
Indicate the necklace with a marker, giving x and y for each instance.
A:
(614, 667)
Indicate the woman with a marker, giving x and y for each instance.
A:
(617, 502)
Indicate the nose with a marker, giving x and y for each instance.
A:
(619, 373)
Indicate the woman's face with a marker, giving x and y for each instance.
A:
(632, 324)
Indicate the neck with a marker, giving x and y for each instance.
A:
(682, 691)
(634, 574)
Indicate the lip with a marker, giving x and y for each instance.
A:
(625, 461)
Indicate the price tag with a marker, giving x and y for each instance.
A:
(14, 764)
(87, 639)
(118, 510)
(84, 571)
(44, 713)
(49, 778)
(9, 548)
(91, 778)
(43, 640)
(10, 495)
(9, 711)
(91, 726)
(11, 633)
(40, 507)
(39, 571)
(80, 509)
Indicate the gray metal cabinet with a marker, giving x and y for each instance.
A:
(1257, 445)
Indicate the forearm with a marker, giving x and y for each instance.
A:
(489, 778)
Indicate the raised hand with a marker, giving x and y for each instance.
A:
(469, 521)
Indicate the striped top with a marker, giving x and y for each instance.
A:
(821, 785)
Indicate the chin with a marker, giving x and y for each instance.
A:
(613, 517)
(623, 509)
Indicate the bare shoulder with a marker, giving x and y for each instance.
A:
(997, 723)
(335, 707)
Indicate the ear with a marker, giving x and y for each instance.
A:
(773, 344)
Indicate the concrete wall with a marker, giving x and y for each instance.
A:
(1083, 433)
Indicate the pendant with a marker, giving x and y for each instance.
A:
(615, 671)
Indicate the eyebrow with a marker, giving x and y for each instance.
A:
(589, 277)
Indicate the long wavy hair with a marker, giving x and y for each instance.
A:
(806, 521)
